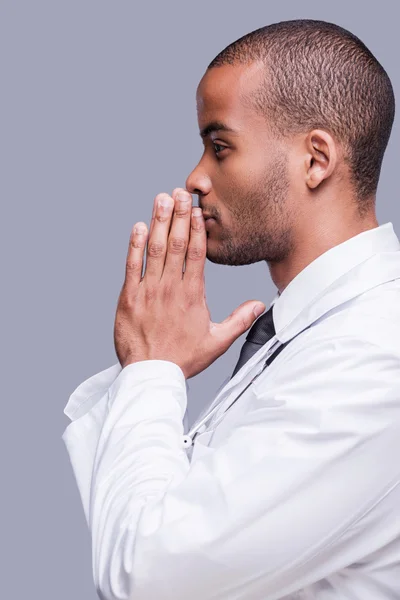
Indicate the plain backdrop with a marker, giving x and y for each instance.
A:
(98, 116)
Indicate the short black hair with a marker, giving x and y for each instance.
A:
(319, 75)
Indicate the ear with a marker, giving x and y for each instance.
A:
(322, 157)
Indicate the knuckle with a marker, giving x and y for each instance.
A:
(125, 302)
(168, 291)
(155, 249)
(195, 253)
(161, 218)
(244, 324)
(181, 211)
(177, 245)
(197, 227)
(192, 298)
(134, 266)
(150, 293)
(136, 243)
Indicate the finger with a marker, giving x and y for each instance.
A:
(134, 260)
(197, 250)
(157, 241)
(179, 234)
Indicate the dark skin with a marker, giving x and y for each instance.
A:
(282, 201)
(285, 202)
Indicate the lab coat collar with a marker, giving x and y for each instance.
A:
(340, 274)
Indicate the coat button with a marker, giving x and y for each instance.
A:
(187, 441)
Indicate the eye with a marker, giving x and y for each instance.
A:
(218, 152)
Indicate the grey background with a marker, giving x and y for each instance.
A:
(98, 116)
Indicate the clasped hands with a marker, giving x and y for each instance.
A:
(163, 315)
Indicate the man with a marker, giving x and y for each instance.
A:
(290, 487)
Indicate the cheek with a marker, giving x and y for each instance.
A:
(252, 167)
(236, 179)
(239, 171)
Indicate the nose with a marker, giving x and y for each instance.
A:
(198, 182)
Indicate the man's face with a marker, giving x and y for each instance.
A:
(242, 178)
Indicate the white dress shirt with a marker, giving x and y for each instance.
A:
(294, 491)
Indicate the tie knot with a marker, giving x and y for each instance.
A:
(263, 329)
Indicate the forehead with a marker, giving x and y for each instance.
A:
(221, 91)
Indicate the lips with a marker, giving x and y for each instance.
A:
(209, 224)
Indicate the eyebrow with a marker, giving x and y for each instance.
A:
(215, 126)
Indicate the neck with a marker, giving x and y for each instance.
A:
(315, 239)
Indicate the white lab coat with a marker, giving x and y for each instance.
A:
(294, 491)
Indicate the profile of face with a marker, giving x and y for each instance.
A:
(243, 177)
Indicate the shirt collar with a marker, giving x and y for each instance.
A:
(343, 272)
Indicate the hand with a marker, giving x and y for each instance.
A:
(164, 315)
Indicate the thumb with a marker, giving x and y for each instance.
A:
(239, 321)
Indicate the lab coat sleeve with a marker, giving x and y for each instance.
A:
(87, 408)
(303, 486)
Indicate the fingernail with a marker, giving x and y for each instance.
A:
(258, 309)
(182, 197)
(164, 202)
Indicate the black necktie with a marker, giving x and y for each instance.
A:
(262, 330)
